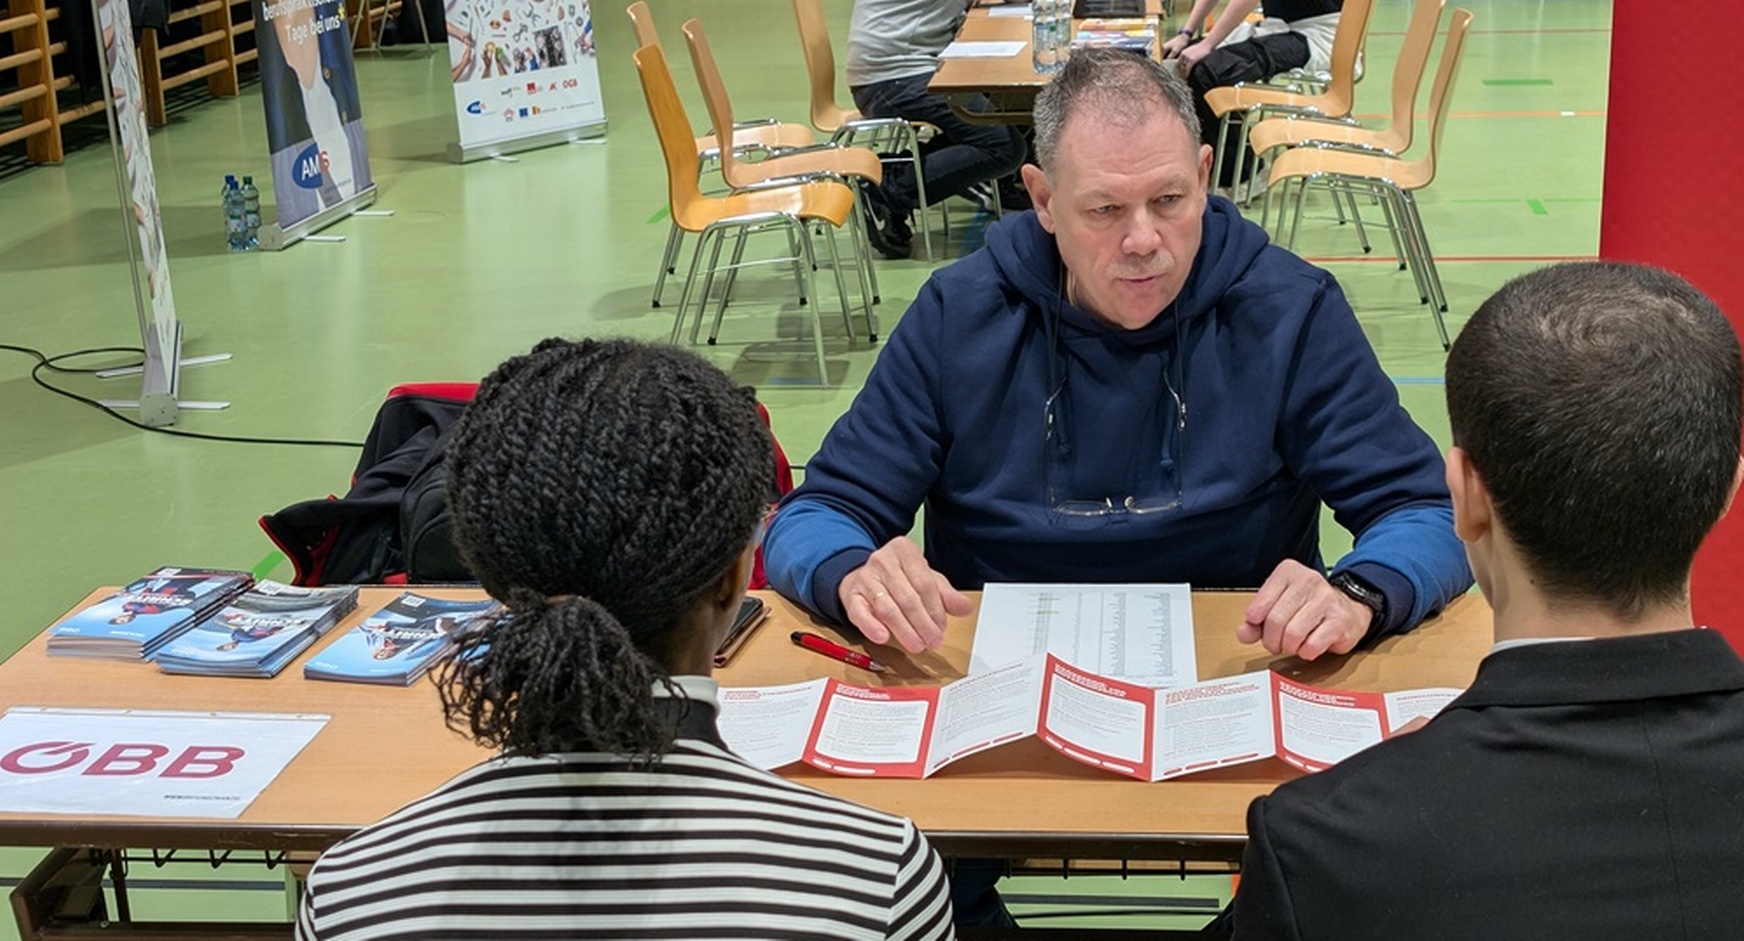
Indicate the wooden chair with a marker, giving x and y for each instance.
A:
(899, 139)
(1274, 134)
(1392, 180)
(760, 134)
(791, 208)
(1248, 101)
(826, 162)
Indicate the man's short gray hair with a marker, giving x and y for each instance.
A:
(1116, 84)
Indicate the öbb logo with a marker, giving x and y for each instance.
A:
(122, 759)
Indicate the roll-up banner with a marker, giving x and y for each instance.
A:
(136, 179)
(314, 121)
(525, 75)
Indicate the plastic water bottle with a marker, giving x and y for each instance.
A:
(1062, 33)
(1043, 44)
(235, 228)
(251, 212)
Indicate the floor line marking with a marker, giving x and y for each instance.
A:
(268, 562)
(1537, 207)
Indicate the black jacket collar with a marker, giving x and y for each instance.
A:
(1612, 669)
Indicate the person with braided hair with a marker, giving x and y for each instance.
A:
(610, 493)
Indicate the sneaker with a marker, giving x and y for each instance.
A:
(887, 236)
(982, 194)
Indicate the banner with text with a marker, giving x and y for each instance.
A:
(522, 69)
(138, 180)
(144, 762)
(314, 120)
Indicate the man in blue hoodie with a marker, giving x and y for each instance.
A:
(1128, 384)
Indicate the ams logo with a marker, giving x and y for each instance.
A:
(122, 759)
(310, 167)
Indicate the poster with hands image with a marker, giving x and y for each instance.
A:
(522, 69)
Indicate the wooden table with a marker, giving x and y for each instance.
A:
(384, 747)
(1010, 83)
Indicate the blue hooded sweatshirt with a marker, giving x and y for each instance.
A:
(1229, 419)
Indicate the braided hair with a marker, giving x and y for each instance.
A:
(600, 489)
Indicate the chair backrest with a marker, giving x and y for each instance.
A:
(642, 21)
(1441, 94)
(714, 93)
(820, 63)
(1347, 45)
(1413, 59)
(672, 127)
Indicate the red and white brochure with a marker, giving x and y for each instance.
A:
(1137, 731)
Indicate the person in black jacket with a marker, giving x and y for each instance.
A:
(1586, 785)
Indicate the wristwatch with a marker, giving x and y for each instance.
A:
(1364, 592)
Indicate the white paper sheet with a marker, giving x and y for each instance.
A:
(1012, 9)
(998, 49)
(140, 762)
(981, 711)
(1138, 633)
(768, 725)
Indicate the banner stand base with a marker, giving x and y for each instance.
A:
(160, 382)
(273, 238)
(458, 153)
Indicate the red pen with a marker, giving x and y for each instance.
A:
(835, 651)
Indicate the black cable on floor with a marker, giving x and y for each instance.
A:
(52, 363)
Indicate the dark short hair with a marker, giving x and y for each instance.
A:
(601, 490)
(1114, 83)
(1600, 403)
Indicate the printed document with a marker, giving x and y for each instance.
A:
(1138, 633)
(1137, 731)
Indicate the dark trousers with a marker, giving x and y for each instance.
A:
(959, 156)
(1253, 61)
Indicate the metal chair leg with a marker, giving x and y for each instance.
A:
(726, 291)
(668, 259)
(863, 270)
(817, 326)
(708, 282)
(678, 315)
(829, 234)
(1355, 218)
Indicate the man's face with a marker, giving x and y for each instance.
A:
(1124, 203)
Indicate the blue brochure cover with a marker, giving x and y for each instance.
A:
(259, 632)
(147, 613)
(396, 645)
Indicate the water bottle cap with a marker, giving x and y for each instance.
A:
(248, 180)
(229, 179)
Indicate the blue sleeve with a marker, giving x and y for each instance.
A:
(874, 469)
(1351, 439)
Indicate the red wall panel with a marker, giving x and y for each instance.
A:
(1674, 197)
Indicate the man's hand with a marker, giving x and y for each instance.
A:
(1297, 611)
(896, 597)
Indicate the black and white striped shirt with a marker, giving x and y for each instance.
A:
(583, 845)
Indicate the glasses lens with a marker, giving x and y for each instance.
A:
(1156, 488)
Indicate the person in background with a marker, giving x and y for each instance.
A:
(1295, 34)
(609, 493)
(1586, 785)
(893, 51)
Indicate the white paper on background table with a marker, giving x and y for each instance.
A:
(142, 762)
(1139, 633)
(993, 49)
(1012, 9)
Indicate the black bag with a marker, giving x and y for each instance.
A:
(392, 525)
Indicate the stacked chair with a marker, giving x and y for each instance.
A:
(826, 162)
(1249, 102)
(791, 207)
(1362, 165)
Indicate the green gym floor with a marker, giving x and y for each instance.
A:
(478, 262)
